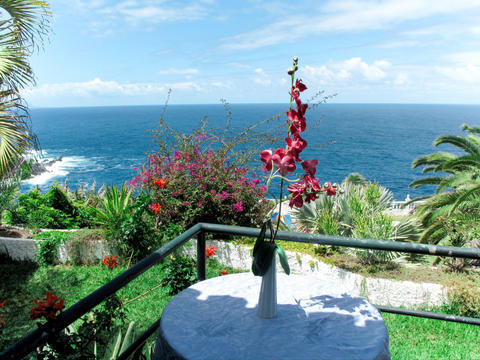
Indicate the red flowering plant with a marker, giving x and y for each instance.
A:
(2, 319)
(210, 251)
(110, 262)
(48, 307)
(281, 163)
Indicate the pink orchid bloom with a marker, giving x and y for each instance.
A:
(310, 166)
(284, 162)
(266, 157)
(296, 146)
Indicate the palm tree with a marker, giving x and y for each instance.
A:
(23, 26)
(457, 181)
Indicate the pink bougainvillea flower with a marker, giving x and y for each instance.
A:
(48, 307)
(310, 166)
(284, 162)
(177, 155)
(295, 146)
(210, 250)
(266, 157)
(238, 206)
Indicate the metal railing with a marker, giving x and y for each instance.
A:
(41, 335)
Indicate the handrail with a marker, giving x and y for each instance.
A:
(39, 336)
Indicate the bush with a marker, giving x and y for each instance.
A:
(463, 298)
(53, 210)
(180, 273)
(357, 210)
(49, 242)
(200, 185)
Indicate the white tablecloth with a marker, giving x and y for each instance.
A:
(217, 319)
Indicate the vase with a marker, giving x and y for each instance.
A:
(267, 301)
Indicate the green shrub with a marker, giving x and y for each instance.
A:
(180, 273)
(48, 243)
(463, 298)
(53, 210)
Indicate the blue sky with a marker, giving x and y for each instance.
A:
(124, 52)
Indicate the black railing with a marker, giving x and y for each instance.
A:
(39, 336)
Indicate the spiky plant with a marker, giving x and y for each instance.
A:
(358, 210)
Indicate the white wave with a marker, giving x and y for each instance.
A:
(55, 169)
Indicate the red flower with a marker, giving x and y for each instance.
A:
(160, 182)
(110, 262)
(284, 162)
(310, 166)
(223, 272)
(298, 123)
(300, 86)
(2, 305)
(210, 250)
(312, 182)
(155, 207)
(296, 146)
(47, 308)
(330, 190)
(266, 157)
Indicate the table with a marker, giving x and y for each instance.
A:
(217, 319)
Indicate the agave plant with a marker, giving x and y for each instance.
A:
(115, 208)
(457, 181)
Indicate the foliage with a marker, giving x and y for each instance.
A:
(457, 182)
(48, 245)
(23, 26)
(180, 273)
(53, 210)
(139, 234)
(8, 191)
(115, 208)
(463, 298)
(358, 210)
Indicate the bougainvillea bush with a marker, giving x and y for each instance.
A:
(197, 184)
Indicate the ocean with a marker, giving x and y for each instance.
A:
(380, 141)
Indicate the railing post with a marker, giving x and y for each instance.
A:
(201, 255)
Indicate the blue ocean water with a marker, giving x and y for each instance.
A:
(380, 141)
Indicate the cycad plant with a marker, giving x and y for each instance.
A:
(358, 210)
(457, 181)
(23, 25)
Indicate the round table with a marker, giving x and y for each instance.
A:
(217, 319)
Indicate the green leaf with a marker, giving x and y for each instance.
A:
(263, 258)
(260, 238)
(283, 259)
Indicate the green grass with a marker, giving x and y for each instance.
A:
(24, 282)
(410, 338)
(426, 339)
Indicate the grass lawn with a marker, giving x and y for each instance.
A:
(410, 338)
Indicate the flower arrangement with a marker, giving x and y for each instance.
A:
(281, 163)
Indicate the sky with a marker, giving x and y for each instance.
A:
(125, 52)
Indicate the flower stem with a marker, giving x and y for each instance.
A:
(281, 181)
